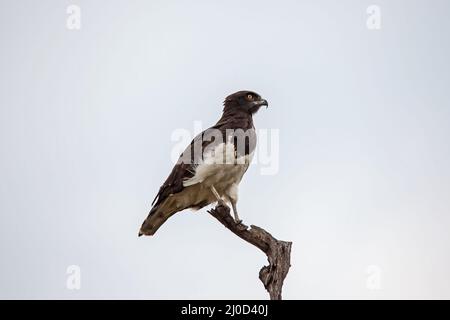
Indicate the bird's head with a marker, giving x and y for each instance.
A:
(247, 101)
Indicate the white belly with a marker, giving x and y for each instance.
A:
(220, 169)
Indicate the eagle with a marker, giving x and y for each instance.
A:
(212, 166)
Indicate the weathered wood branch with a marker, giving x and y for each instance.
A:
(278, 252)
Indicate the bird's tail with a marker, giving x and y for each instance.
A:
(155, 219)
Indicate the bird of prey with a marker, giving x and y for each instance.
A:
(211, 167)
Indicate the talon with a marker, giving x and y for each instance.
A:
(239, 221)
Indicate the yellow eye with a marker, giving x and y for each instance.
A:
(250, 97)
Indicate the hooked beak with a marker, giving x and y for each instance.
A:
(256, 105)
(260, 103)
(265, 103)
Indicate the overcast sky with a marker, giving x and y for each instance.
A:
(87, 115)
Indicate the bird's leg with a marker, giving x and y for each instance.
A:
(216, 194)
(236, 216)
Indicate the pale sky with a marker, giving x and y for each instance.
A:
(87, 116)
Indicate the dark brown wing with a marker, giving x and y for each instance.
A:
(174, 183)
(184, 169)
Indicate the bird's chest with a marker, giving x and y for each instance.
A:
(221, 167)
(225, 175)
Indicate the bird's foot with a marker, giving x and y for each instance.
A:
(238, 221)
(222, 203)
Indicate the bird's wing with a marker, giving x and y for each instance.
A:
(183, 170)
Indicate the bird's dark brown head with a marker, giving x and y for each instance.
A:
(247, 101)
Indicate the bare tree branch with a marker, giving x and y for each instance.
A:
(278, 252)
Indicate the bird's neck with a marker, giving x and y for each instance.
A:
(235, 119)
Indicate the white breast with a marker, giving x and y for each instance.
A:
(220, 167)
